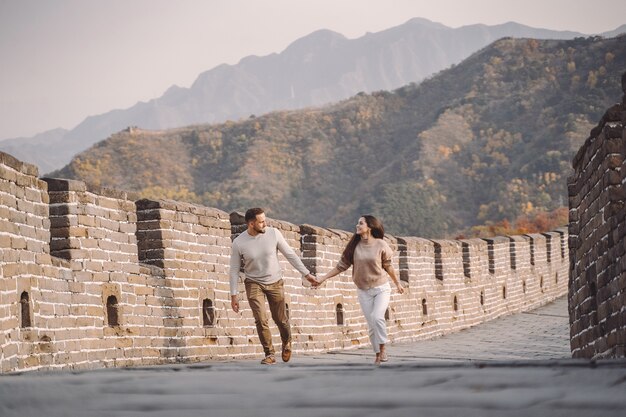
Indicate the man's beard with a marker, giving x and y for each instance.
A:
(261, 230)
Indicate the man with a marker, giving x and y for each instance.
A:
(257, 247)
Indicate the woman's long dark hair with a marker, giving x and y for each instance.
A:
(378, 231)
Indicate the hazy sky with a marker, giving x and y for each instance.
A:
(64, 60)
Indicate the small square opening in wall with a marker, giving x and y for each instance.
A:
(112, 311)
(25, 321)
(340, 314)
(112, 308)
(208, 313)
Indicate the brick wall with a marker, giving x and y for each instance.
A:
(27, 270)
(597, 242)
(92, 278)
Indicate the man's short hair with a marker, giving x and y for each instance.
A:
(252, 213)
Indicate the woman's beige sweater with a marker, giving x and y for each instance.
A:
(372, 258)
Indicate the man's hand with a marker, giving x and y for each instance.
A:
(312, 280)
(234, 303)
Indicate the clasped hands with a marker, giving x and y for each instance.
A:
(316, 284)
(313, 280)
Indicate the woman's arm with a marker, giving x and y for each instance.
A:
(394, 278)
(333, 272)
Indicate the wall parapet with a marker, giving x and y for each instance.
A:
(597, 239)
(91, 278)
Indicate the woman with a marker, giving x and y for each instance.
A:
(370, 256)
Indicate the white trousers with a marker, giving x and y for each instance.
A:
(374, 303)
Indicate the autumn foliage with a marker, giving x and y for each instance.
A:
(537, 222)
(483, 148)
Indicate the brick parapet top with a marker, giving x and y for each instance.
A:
(173, 205)
(309, 229)
(497, 239)
(340, 233)
(473, 241)
(239, 219)
(60, 184)
(412, 241)
(65, 185)
(536, 236)
(446, 242)
(283, 225)
(518, 238)
(111, 193)
(19, 166)
(606, 140)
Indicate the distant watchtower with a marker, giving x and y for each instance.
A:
(133, 130)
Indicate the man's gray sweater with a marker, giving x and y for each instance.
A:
(260, 257)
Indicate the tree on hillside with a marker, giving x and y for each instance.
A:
(410, 209)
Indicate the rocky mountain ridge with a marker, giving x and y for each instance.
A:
(489, 139)
(320, 68)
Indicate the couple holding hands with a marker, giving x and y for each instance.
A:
(367, 253)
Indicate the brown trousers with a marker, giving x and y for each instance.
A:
(275, 294)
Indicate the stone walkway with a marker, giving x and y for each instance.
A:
(537, 335)
(513, 366)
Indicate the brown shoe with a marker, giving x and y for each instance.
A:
(268, 360)
(286, 352)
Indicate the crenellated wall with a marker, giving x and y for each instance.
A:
(91, 278)
(597, 242)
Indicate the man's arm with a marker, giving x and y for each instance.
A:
(291, 256)
(235, 266)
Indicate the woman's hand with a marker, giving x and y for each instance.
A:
(400, 287)
(316, 282)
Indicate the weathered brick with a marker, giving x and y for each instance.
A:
(188, 247)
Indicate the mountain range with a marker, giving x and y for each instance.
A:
(320, 68)
(489, 139)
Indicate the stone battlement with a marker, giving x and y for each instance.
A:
(597, 227)
(92, 279)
